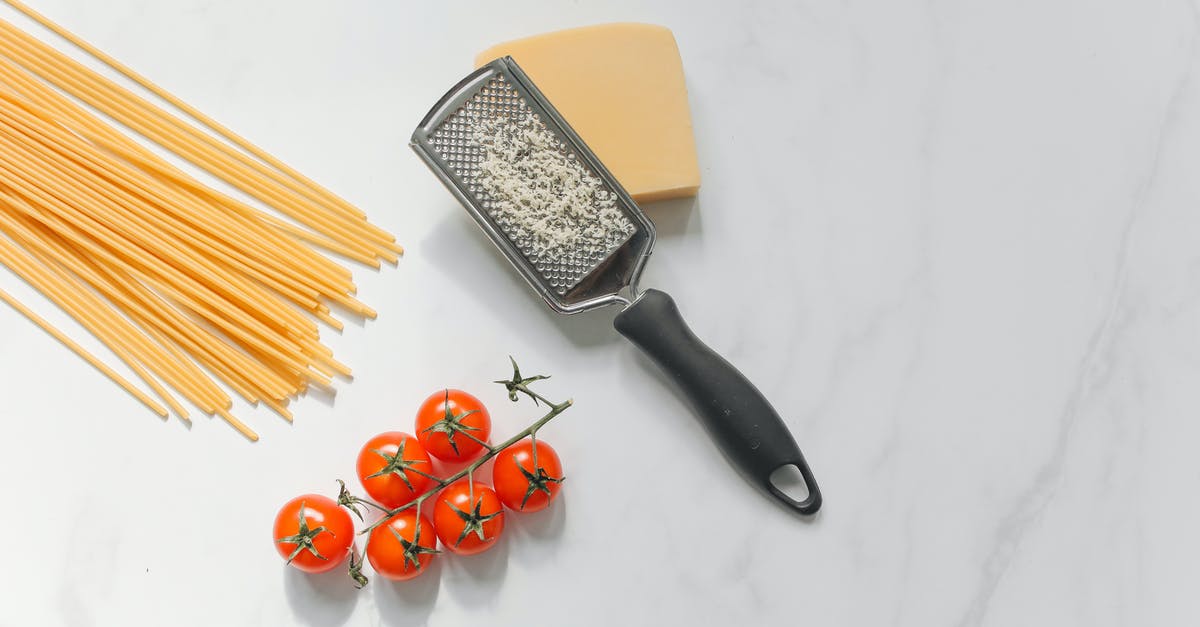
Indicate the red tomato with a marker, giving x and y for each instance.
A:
(393, 468)
(453, 425)
(313, 533)
(521, 485)
(402, 547)
(467, 525)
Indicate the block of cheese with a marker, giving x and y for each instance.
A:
(621, 87)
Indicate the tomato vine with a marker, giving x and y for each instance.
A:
(516, 386)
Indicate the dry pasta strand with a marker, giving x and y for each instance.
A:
(83, 352)
(195, 291)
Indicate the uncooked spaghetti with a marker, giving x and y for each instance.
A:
(195, 291)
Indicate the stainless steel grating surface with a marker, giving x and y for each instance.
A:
(582, 235)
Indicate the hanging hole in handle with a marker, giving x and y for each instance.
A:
(787, 479)
(794, 486)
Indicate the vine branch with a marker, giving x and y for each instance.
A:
(516, 386)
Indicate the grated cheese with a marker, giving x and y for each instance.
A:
(547, 202)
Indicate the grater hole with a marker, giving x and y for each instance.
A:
(466, 142)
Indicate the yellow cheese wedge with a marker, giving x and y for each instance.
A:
(621, 87)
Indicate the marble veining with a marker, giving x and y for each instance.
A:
(954, 242)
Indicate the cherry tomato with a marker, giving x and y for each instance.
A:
(467, 525)
(451, 425)
(402, 547)
(519, 484)
(390, 467)
(313, 533)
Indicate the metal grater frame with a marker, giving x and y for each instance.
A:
(570, 285)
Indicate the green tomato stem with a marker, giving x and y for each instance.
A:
(517, 384)
(555, 410)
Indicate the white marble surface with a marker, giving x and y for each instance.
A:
(956, 243)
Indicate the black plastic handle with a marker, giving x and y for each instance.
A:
(749, 431)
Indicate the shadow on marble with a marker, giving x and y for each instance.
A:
(682, 412)
(674, 218)
(325, 395)
(404, 603)
(543, 530)
(546, 524)
(474, 580)
(458, 247)
(322, 600)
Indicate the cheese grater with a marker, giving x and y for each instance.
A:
(575, 235)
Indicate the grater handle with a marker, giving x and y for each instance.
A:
(740, 420)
